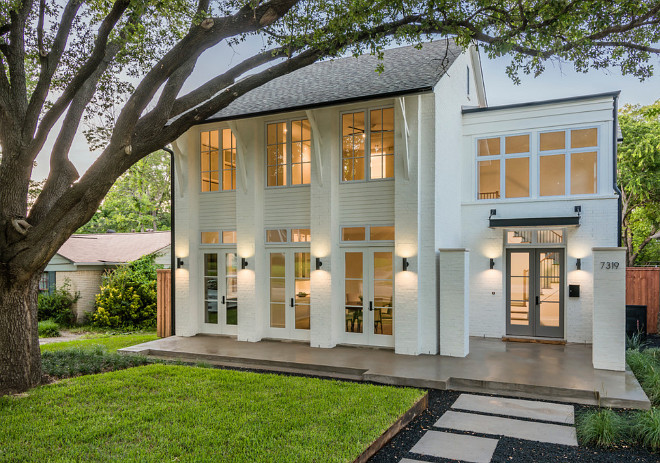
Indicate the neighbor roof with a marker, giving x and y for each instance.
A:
(407, 70)
(112, 247)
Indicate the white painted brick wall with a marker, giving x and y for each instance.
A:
(609, 326)
(454, 302)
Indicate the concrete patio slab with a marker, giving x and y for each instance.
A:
(497, 426)
(541, 411)
(456, 446)
(539, 371)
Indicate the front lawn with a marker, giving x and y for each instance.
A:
(111, 342)
(182, 413)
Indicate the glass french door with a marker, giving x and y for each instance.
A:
(368, 311)
(535, 292)
(289, 294)
(220, 292)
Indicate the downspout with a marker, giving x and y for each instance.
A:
(615, 145)
(172, 236)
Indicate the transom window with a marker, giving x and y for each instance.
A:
(567, 164)
(379, 138)
(288, 235)
(282, 138)
(216, 175)
(368, 233)
(534, 237)
(219, 237)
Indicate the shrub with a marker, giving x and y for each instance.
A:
(601, 427)
(647, 428)
(48, 329)
(128, 296)
(58, 306)
(78, 361)
(637, 341)
(646, 367)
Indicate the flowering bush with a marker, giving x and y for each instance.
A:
(128, 296)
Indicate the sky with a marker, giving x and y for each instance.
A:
(558, 81)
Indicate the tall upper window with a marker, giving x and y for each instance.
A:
(217, 176)
(503, 167)
(379, 138)
(567, 164)
(282, 170)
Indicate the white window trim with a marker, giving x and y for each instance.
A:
(289, 148)
(367, 144)
(534, 243)
(206, 246)
(199, 161)
(289, 237)
(367, 233)
(502, 157)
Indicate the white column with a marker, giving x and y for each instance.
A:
(454, 302)
(323, 218)
(249, 233)
(609, 314)
(188, 304)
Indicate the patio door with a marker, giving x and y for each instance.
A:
(368, 311)
(220, 292)
(289, 293)
(535, 292)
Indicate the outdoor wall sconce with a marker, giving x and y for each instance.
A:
(492, 263)
(179, 262)
(244, 263)
(405, 264)
(319, 264)
(578, 264)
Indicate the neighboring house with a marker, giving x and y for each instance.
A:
(336, 205)
(83, 259)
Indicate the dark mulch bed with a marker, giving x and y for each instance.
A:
(508, 449)
(653, 340)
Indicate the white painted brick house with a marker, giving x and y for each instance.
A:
(336, 205)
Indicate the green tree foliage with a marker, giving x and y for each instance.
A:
(139, 200)
(639, 181)
(128, 296)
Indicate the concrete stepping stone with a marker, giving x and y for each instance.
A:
(531, 409)
(455, 447)
(497, 426)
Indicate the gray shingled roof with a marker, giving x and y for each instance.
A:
(407, 70)
(112, 247)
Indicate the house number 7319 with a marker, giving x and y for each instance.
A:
(609, 265)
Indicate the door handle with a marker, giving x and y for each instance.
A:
(538, 300)
(291, 302)
(223, 299)
(371, 306)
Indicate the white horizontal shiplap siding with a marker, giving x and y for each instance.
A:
(217, 210)
(287, 206)
(366, 203)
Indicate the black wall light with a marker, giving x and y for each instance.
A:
(492, 263)
(578, 264)
(244, 263)
(405, 264)
(179, 262)
(319, 264)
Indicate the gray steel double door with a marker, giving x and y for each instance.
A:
(535, 292)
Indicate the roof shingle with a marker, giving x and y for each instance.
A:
(407, 70)
(113, 247)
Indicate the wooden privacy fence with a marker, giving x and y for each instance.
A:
(163, 311)
(643, 288)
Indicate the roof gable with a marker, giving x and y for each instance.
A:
(112, 247)
(407, 70)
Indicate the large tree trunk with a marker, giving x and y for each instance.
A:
(20, 357)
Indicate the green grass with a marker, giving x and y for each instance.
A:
(181, 413)
(111, 342)
(647, 428)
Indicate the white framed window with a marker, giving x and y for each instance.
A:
(503, 167)
(288, 153)
(218, 237)
(367, 233)
(369, 131)
(527, 237)
(217, 160)
(278, 236)
(568, 162)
